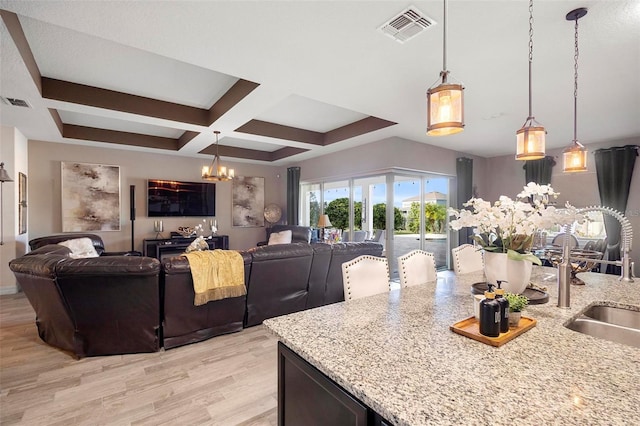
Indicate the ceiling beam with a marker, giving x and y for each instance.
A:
(72, 131)
(279, 131)
(357, 128)
(12, 23)
(66, 91)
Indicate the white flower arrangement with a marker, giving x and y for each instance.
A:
(509, 226)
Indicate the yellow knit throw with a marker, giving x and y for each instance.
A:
(217, 274)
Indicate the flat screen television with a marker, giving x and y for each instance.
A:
(174, 198)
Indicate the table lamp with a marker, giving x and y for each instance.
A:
(323, 222)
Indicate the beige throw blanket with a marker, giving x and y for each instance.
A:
(217, 274)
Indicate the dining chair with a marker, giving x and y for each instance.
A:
(378, 236)
(365, 276)
(467, 258)
(416, 267)
(558, 240)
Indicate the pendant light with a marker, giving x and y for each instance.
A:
(530, 139)
(574, 158)
(221, 174)
(445, 103)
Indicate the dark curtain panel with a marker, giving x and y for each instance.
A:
(539, 171)
(464, 174)
(614, 168)
(293, 195)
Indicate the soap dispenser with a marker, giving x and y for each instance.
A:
(504, 307)
(490, 314)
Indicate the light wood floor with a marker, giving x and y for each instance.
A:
(227, 380)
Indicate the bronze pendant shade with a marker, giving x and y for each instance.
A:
(530, 139)
(574, 158)
(445, 102)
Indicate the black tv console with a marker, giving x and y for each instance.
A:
(167, 247)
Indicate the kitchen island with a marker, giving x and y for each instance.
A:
(395, 354)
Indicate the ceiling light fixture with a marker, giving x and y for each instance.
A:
(574, 158)
(221, 174)
(530, 139)
(445, 102)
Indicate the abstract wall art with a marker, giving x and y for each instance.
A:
(90, 197)
(248, 201)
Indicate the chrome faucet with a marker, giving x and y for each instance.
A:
(564, 267)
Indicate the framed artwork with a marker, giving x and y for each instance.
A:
(90, 197)
(248, 201)
(22, 203)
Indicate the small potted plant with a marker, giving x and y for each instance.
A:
(517, 302)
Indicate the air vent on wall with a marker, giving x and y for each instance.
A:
(406, 25)
(15, 102)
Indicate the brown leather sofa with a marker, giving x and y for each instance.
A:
(280, 279)
(299, 233)
(185, 323)
(124, 304)
(98, 244)
(97, 306)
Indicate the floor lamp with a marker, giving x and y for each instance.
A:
(4, 177)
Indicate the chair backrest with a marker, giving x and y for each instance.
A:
(601, 246)
(558, 240)
(467, 258)
(365, 276)
(378, 235)
(416, 267)
(359, 236)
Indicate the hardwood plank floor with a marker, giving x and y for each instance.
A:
(227, 380)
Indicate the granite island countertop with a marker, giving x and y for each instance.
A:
(396, 353)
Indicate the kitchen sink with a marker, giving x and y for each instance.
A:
(615, 323)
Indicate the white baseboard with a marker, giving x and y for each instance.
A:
(8, 290)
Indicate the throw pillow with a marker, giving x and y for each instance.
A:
(282, 237)
(80, 248)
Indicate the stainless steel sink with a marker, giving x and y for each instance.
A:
(615, 323)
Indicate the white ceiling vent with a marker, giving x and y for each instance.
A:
(15, 102)
(408, 24)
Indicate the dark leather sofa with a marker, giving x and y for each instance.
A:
(98, 306)
(128, 304)
(299, 233)
(185, 323)
(280, 279)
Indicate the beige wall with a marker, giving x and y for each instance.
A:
(13, 152)
(386, 154)
(135, 168)
(579, 189)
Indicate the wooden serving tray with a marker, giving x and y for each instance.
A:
(470, 327)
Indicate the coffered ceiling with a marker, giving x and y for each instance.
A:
(289, 80)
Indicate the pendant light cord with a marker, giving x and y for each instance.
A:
(444, 72)
(575, 86)
(530, 55)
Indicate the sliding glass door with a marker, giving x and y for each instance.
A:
(403, 211)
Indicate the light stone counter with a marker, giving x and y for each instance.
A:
(396, 354)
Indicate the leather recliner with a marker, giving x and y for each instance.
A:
(299, 234)
(95, 306)
(98, 244)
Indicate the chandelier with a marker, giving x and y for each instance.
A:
(215, 172)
